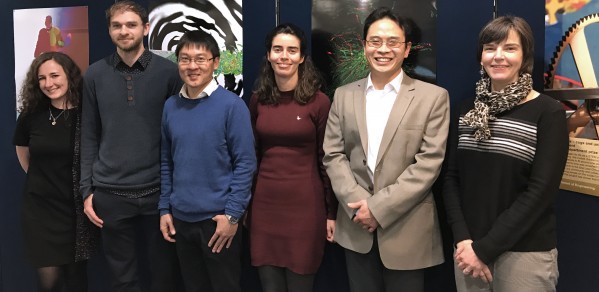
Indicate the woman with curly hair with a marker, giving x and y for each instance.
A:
(56, 233)
(293, 208)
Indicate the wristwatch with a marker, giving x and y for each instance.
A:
(232, 219)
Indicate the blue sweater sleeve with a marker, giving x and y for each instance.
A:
(240, 141)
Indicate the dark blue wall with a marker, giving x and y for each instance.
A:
(457, 70)
(255, 28)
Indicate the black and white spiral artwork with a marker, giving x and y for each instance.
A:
(170, 19)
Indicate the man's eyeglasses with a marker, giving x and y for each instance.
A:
(198, 61)
(392, 43)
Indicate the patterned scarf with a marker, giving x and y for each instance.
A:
(488, 104)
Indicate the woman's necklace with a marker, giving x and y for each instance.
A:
(52, 118)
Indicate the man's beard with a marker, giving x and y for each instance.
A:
(131, 48)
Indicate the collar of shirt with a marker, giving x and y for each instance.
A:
(395, 84)
(210, 88)
(139, 66)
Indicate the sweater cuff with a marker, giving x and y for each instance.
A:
(85, 192)
(164, 212)
(460, 232)
(234, 214)
(484, 251)
(332, 212)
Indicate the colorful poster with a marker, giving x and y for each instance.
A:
(40, 30)
(220, 18)
(337, 28)
(572, 58)
(571, 43)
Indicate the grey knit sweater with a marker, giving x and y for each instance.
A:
(120, 141)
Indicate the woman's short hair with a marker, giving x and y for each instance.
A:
(498, 29)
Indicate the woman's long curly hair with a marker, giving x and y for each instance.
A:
(31, 96)
(309, 79)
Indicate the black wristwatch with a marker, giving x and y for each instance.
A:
(232, 219)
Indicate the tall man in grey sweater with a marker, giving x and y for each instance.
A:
(123, 98)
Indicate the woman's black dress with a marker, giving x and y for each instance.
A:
(48, 215)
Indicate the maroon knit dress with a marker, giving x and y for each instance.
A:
(293, 196)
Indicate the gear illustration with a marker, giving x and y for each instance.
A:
(575, 39)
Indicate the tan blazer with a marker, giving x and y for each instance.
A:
(409, 160)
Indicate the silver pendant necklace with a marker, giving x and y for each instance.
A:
(52, 118)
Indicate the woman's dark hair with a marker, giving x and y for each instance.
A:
(498, 29)
(309, 79)
(31, 95)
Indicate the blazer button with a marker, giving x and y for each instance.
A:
(370, 188)
(364, 161)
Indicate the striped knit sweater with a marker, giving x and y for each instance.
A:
(501, 192)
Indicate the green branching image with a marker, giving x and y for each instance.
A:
(231, 62)
(350, 63)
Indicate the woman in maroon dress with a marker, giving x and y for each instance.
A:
(293, 208)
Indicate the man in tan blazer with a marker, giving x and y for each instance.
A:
(384, 146)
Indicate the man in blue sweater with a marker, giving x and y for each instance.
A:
(120, 151)
(207, 166)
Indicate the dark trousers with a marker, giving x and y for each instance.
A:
(203, 270)
(128, 225)
(366, 273)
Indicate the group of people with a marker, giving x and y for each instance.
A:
(160, 156)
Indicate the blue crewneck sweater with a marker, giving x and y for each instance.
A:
(207, 157)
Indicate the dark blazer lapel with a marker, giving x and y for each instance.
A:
(359, 97)
(400, 106)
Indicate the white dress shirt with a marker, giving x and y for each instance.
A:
(378, 107)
